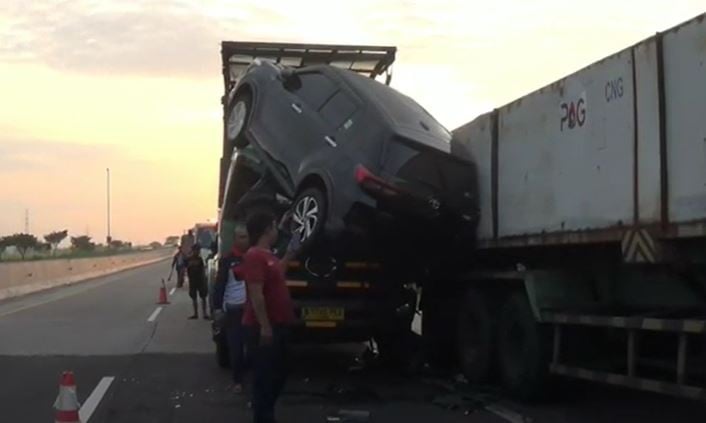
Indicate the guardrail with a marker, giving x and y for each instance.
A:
(20, 278)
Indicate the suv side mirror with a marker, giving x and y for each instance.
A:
(290, 79)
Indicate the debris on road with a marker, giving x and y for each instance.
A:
(349, 392)
(507, 414)
(349, 416)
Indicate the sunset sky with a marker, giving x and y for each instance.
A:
(136, 86)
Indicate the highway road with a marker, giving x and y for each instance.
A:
(159, 367)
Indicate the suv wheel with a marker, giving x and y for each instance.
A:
(238, 119)
(309, 215)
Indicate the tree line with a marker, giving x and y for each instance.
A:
(24, 243)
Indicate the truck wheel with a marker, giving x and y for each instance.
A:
(475, 337)
(439, 331)
(238, 119)
(521, 349)
(309, 216)
(222, 354)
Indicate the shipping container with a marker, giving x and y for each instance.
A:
(591, 253)
(618, 144)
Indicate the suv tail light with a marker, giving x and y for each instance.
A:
(374, 184)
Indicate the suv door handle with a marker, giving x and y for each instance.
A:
(297, 108)
(330, 141)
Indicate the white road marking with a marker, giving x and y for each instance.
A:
(172, 291)
(154, 314)
(88, 407)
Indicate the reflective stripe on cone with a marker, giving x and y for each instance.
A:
(66, 405)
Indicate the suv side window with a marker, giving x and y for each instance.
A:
(315, 89)
(338, 109)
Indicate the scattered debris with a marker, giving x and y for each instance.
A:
(461, 379)
(351, 393)
(461, 402)
(507, 414)
(348, 416)
(448, 402)
(441, 383)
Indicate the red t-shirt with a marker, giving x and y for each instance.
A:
(261, 266)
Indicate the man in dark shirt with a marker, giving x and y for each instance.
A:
(178, 264)
(197, 281)
(269, 312)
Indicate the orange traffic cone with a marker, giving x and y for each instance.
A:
(66, 405)
(163, 294)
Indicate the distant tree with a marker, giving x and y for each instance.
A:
(44, 246)
(116, 244)
(55, 238)
(155, 245)
(23, 243)
(172, 241)
(3, 245)
(82, 243)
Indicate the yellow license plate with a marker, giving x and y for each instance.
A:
(323, 313)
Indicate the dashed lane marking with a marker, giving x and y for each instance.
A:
(94, 399)
(154, 314)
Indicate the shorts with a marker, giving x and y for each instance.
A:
(197, 286)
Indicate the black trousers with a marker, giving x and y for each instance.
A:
(235, 334)
(270, 370)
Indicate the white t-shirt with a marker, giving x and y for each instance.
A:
(235, 291)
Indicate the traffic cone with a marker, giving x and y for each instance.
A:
(163, 294)
(66, 405)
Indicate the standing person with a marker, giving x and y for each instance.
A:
(229, 296)
(268, 313)
(178, 264)
(197, 282)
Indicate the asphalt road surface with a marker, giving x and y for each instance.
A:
(158, 366)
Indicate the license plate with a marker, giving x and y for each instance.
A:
(323, 313)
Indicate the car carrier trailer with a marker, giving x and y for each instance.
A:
(335, 299)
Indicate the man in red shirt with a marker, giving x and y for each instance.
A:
(268, 313)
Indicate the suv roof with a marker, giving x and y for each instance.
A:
(371, 61)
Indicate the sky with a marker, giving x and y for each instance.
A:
(135, 86)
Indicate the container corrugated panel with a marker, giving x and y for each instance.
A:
(685, 93)
(479, 151)
(648, 153)
(581, 160)
(566, 153)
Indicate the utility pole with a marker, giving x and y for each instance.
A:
(107, 174)
(26, 221)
